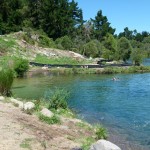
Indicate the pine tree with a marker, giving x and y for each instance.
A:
(101, 26)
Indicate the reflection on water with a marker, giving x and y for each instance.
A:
(122, 106)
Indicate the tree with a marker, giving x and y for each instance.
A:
(64, 43)
(101, 26)
(127, 34)
(146, 45)
(60, 18)
(87, 31)
(11, 15)
(35, 12)
(110, 45)
(92, 49)
(124, 49)
(137, 56)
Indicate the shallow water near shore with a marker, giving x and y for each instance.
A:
(123, 106)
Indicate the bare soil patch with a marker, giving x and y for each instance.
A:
(22, 131)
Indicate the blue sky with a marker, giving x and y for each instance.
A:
(134, 14)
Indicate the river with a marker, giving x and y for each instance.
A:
(123, 106)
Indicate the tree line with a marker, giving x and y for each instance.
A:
(62, 21)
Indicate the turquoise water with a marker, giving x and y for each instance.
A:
(122, 105)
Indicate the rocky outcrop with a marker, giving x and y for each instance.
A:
(2, 98)
(17, 102)
(104, 145)
(47, 112)
(29, 106)
(20, 104)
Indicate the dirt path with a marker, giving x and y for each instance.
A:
(20, 131)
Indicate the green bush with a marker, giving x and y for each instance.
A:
(57, 99)
(64, 43)
(92, 49)
(46, 41)
(101, 132)
(87, 143)
(21, 66)
(137, 57)
(6, 80)
(53, 120)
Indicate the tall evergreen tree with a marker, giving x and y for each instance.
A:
(101, 26)
(34, 12)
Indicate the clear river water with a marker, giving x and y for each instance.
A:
(122, 106)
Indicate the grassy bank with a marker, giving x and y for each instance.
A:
(106, 70)
(60, 60)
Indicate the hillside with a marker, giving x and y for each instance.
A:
(19, 44)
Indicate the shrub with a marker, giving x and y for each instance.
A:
(27, 38)
(64, 43)
(46, 41)
(53, 120)
(6, 80)
(57, 99)
(137, 57)
(21, 66)
(92, 49)
(87, 143)
(101, 132)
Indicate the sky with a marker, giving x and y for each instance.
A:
(134, 14)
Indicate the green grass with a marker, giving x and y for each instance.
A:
(6, 80)
(6, 44)
(60, 60)
(53, 120)
(57, 98)
(84, 125)
(107, 70)
(26, 144)
(87, 142)
(100, 132)
(65, 112)
(10, 47)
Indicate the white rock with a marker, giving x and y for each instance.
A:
(47, 112)
(104, 145)
(44, 68)
(29, 106)
(15, 101)
(2, 98)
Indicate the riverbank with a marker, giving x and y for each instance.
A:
(21, 130)
(28, 125)
(106, 70)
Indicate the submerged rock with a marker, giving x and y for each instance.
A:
(29, 106)
(104, 145)
(47, 112)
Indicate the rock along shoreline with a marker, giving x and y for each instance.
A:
(27, 131)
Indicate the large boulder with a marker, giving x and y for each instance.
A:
(104, 145)
(2, 98)
(16, 102)
(29, 106)
(47, 112)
